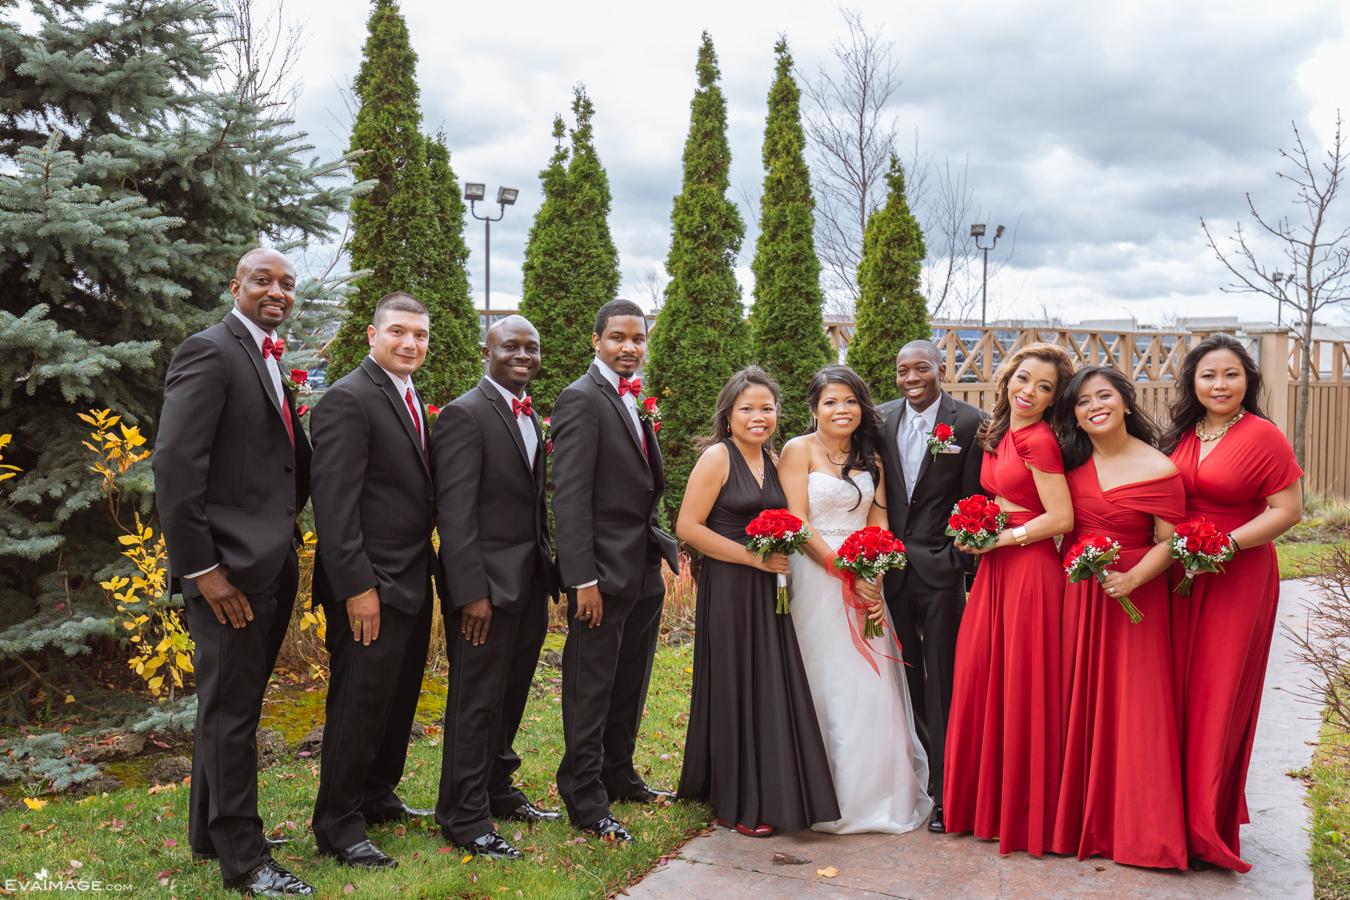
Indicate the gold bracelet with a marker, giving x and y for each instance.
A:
(1020, 535)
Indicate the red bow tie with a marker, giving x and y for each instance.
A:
(633, 387)
(521, 406)
(273, 348)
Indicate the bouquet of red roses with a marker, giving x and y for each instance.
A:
(867, 553)
(1090, 557)
(976, 521)
(1201, 547)
(777, 531)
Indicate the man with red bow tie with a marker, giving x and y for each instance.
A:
(495, 580)
(608, 479)
(231, 470)
(373, 509)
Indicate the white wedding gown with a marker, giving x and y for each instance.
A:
(879, 767)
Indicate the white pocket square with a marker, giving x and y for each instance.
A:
(952, 449)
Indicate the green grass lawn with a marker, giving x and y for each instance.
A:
(138, 837)
(1329, 797)
(1298, 560)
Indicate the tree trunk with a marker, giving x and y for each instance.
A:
(1304, 377)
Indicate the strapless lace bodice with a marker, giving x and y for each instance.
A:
(835, 510)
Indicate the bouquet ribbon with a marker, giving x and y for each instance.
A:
(856, 623)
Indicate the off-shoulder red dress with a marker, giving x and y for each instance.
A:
(1005, 734)
(1121, 795)
(1223, 630)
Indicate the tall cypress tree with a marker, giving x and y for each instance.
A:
(129, 190)
(409, 231)
(891, 311)
(786, 328)
(700, 338)
(571, 265)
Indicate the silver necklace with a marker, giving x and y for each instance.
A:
(837, 461)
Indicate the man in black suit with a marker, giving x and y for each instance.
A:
(497, 575)
(927, 597)
(373, 510)
(607, 482)
(231, 471)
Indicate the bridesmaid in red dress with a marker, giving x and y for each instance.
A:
(1240, 474)
(1120, 795)
(1005, 736)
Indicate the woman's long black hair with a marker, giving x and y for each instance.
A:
(862, 454)
(1074, 442)
(1187, 409)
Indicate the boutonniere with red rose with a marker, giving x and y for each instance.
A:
(546, 430)
(940, 440)
(432, 411)
(1201, 547)
(650, 413)
(1089, 558)
(299, 381)
(976, 521)
(777, 531)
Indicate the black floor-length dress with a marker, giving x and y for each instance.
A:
(753, 748)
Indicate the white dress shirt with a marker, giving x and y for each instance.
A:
(912, 441)
(273, 368)
(403, 385)
(524, 423)
(630, 404)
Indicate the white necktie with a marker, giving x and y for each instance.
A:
(916, 444)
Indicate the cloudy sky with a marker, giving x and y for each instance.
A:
(1102, 132)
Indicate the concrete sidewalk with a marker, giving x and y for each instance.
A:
(920, 866)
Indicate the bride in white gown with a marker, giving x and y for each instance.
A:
(879, 767)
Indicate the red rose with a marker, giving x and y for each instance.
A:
(544, 421)
(649, 403)
(656, 427)
(1213, 545)
(942, 432)
(1193, 544)
(302, 409)
(1186, 528)
(299, 376)
(436, 410)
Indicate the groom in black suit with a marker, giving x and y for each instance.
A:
(496, 577)
(373, 509)
(927, 597)
(231, 471)
(608, 480)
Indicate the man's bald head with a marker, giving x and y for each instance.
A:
(928, 348)
(918, 373)
(264, 287)
(512, 353)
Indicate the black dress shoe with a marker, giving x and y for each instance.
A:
(268, 844)
(935, 823)
(646, 794)
(492, 845)
(528, 812)
(267, 879)
(608, 827)
(365, 855)
(406, 812)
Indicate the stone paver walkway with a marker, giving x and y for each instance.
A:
(920, 866)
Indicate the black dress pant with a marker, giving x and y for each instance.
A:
(927, 620)
(606, 671)
(372, 701)
(488, 688)
(231, 667)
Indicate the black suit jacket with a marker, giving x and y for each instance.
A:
(921, 521)
(373, 497)
(605, 494)
(491, 504)
(228, 484)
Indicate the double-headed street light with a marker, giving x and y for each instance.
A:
(977, 232)
(505, 197)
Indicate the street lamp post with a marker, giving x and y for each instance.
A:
(505, 197)
(977, 232)
(1278, 280)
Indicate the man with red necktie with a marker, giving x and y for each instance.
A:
(231, 471)
(373, 510)
(496, 576)
(608, 479)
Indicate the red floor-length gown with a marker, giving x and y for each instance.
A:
(1121, 794)
(1005, 734)
(1223, 631)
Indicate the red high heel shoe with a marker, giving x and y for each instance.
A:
(758, 831)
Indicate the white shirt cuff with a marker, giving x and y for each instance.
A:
(577, 587)
(202, 572)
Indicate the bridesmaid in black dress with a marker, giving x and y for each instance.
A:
(754, 748)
